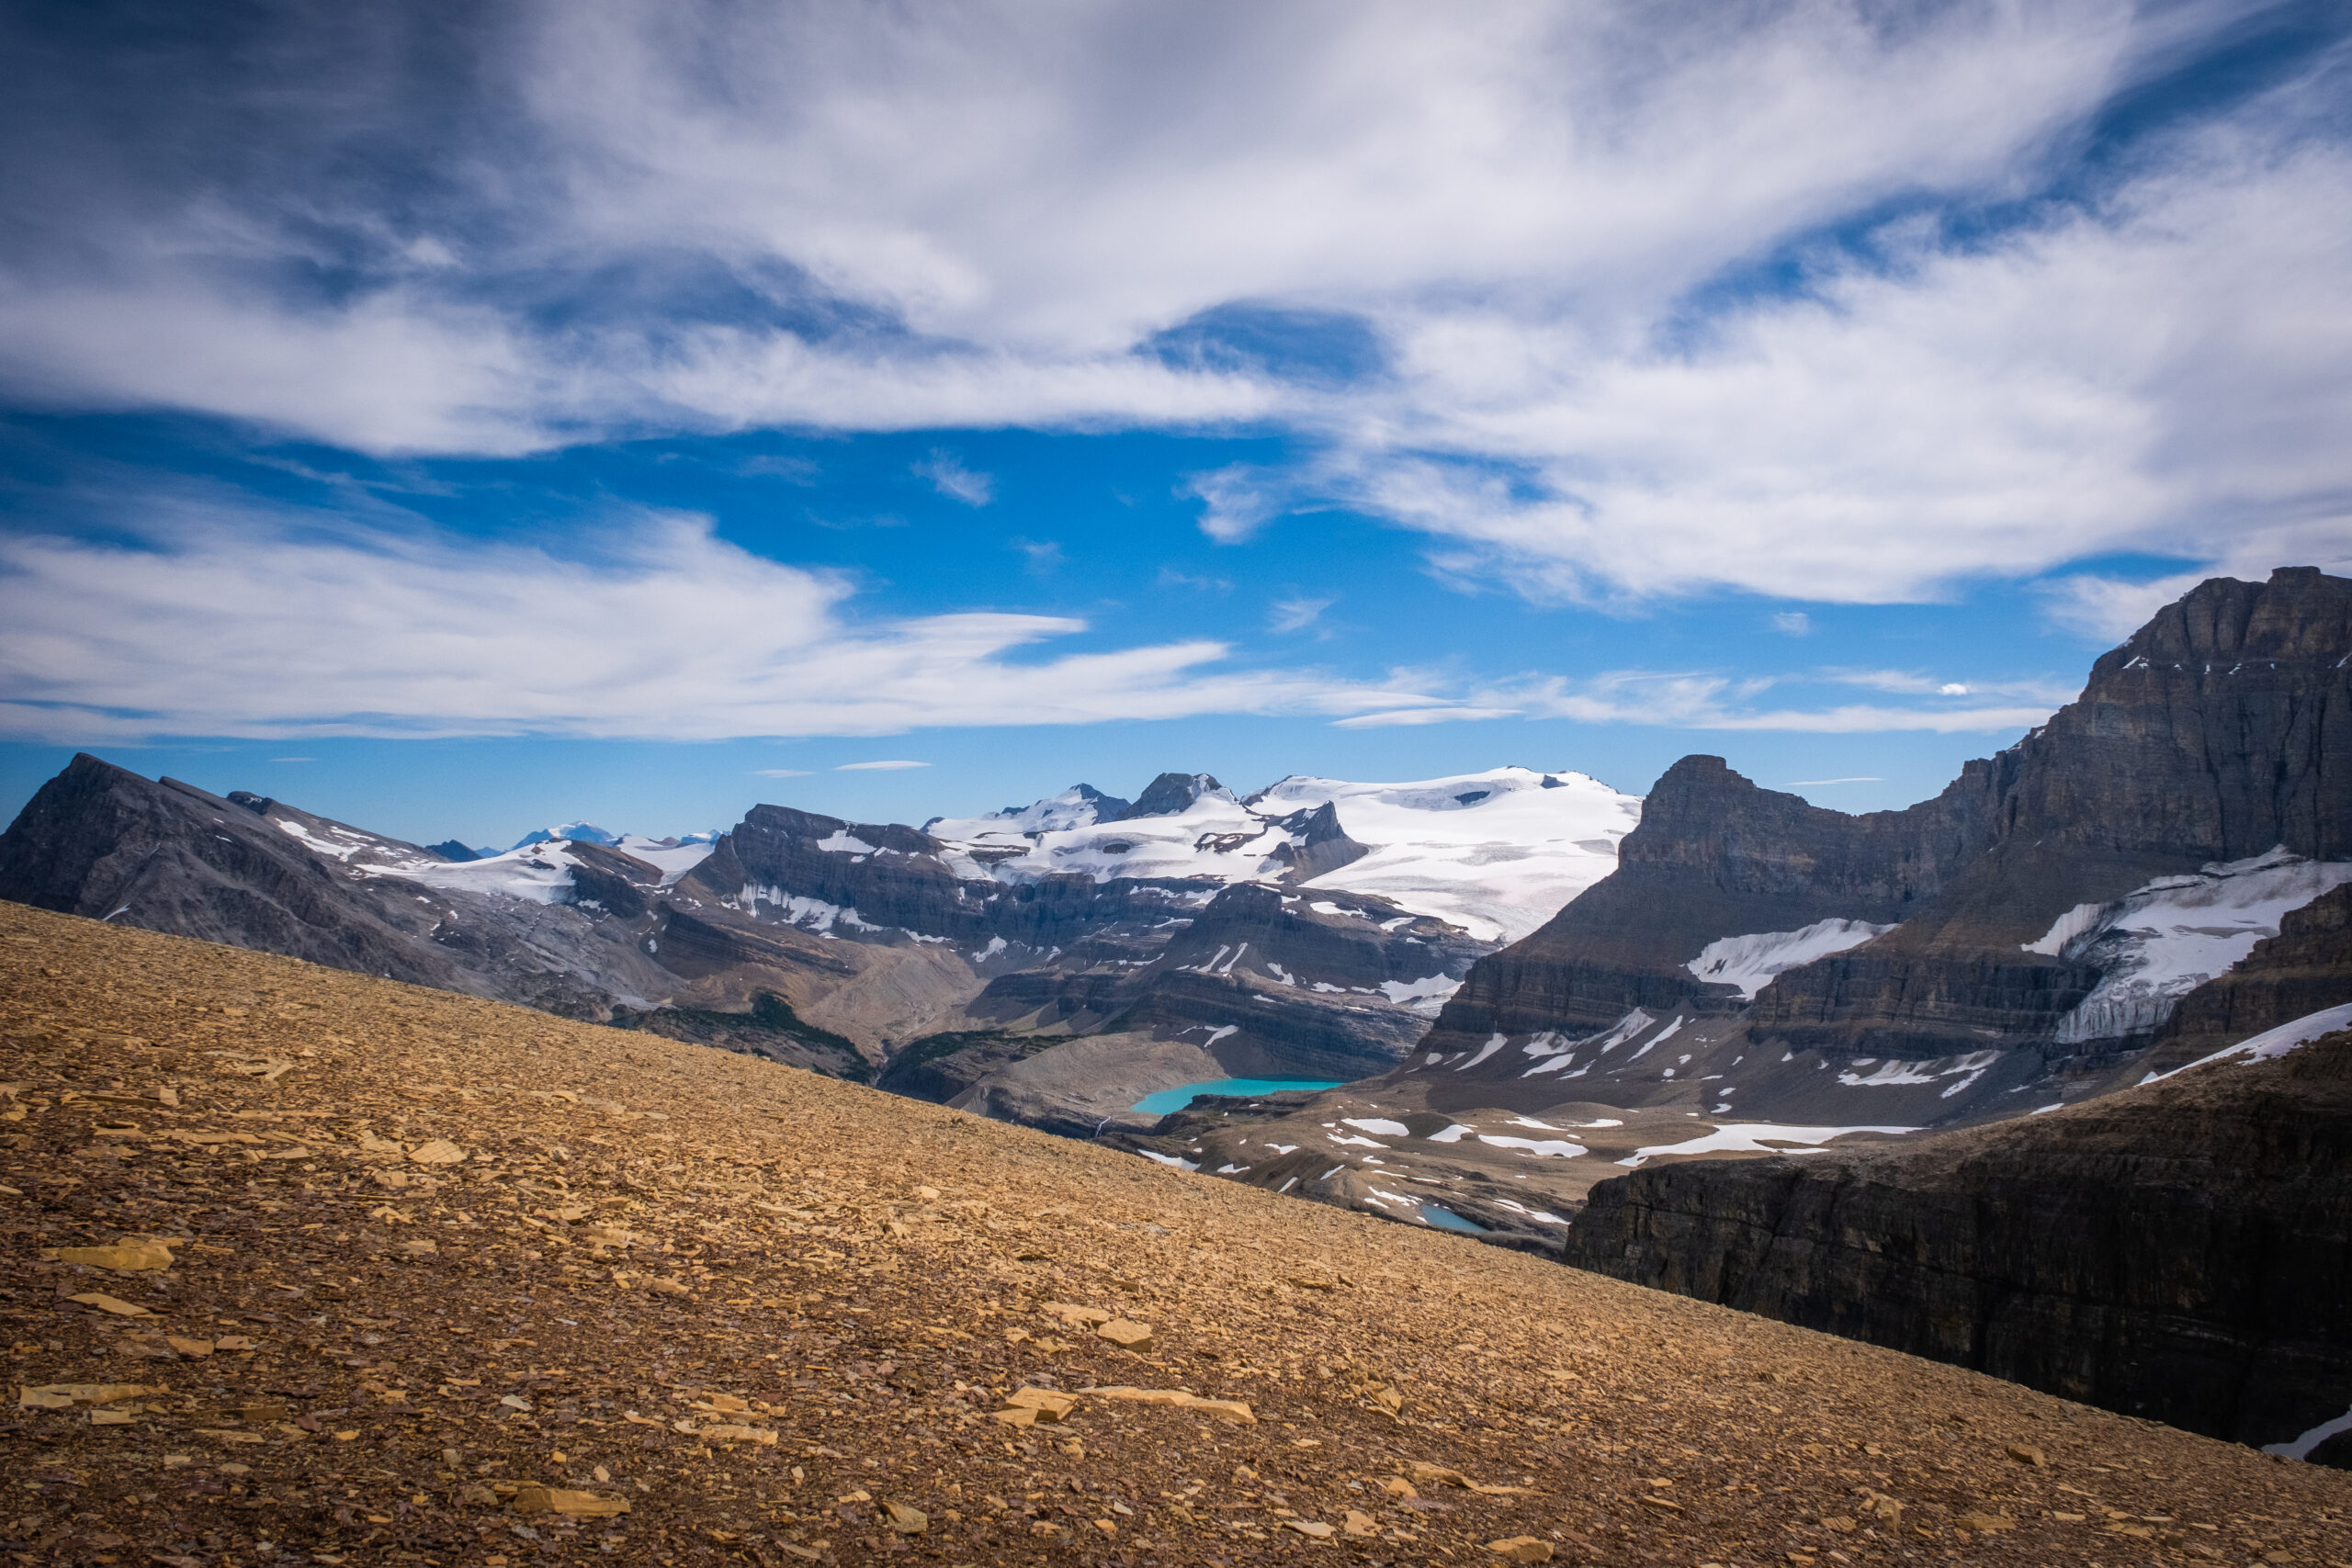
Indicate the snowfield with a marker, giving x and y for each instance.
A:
(2158, 943)
(1753, 1139)
(1754, 961)
(2273, 1043)
(1497, 853)
(540, 874)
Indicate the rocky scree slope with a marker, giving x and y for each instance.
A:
(369, 1270)
(2035, 923)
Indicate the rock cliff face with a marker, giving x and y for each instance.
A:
(2219, 733)
(2181, 1251)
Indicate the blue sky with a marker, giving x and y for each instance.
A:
(478, 417)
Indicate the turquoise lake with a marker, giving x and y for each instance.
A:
(1168, 1099)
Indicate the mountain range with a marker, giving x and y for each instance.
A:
(1513, 941)
(1534, 992)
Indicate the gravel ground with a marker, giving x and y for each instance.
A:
(304, 1267)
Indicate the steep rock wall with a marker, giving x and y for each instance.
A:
(2220, 729)
(2182, 1251)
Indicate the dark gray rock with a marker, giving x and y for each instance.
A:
(102, 841)
(1168, 796)
(2181, 1251)
(1322, 846)
(938, 1067)
(2220, 729)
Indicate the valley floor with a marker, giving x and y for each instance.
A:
(304, 1267)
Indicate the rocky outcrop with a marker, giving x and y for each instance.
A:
(938, 1067)
(769, 1029)
(1713, 856)
(616, 882)
(1264, 980)
(881, 876)
(1168, 795)
(2221, 730)
(2181, 1251)
(1322, 844)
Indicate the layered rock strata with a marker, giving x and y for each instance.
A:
(2182, 1251)
(2218, 734)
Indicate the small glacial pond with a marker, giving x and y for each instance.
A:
(1446, 1219)
(1168, 1100)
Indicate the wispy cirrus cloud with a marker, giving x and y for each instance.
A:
(1612, 300)
(1705, 701)
(951, 479)
(235, 623)
(1298, 612)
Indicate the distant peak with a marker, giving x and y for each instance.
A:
(1170, 795)
(579, 832)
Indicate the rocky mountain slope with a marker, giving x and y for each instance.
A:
(308, 1264)
(2181, 1250)
(573, 927)
(2025, 930)
(1191, 935)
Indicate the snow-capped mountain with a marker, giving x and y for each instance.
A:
(585, 832)
(1497, 853)
(1080, 805)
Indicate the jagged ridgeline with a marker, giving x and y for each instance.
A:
(2028, 932)
(1305, 931)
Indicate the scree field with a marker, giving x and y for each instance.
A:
(304, 1267)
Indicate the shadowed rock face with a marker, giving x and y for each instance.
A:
(1323, 844)
(102, 841)
(2220, 729)
(250, 871)
(2181, 1251)
(1169, 794)
(1713, 856)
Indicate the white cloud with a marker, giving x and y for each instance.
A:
(239, 624)
(1910, 683)
(1793, 623)
(1044, 555)
(1169, 577)
(1296, 612)
(891, 765)
(1421, 715)
(974, 217)
(2111, 608)
(2005, 408)
(1237, 502)
(1701, 701)
(780, 773)
(951, 479)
